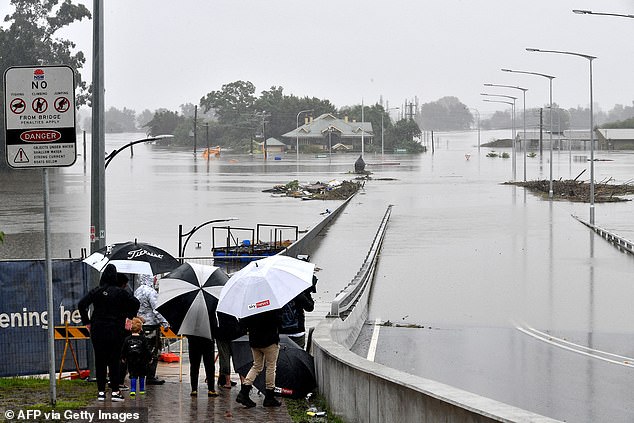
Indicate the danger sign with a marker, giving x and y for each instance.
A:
(40, 116)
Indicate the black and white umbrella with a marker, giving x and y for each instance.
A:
(133, 257)
(188, 298)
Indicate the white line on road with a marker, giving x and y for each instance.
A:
(579, 349)
(375, 340)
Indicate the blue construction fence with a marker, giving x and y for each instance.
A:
(24, 316)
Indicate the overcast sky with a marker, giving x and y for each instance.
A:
(163, 53)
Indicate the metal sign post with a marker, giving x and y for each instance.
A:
(40, 133)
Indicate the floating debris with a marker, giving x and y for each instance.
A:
(578, 191)
(333, 190)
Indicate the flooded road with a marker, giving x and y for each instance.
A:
(484, 268)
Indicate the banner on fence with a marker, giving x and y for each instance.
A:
(24, 317)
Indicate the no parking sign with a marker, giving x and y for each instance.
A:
(40, 116)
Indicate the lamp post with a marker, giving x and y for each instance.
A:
(130, 144)
(297, 131)
(478, 114)
(513, 130)
(524, 114)
(590, 59)
(388, 113)
(550, 79)
(188, 235)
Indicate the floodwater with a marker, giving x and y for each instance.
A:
(483, 267)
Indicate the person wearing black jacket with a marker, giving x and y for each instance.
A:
(264, 340)
(293, 316)
(111, 305)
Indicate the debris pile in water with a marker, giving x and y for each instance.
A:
(579, 191)
(333, 190)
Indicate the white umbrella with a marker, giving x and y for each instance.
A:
(264, 285)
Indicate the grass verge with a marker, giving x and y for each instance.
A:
(298, 410)
(34, 393)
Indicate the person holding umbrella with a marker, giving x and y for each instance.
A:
(188, 299)
(255, 294)
(111, 304)
(264, 339)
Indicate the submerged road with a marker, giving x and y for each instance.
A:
(490, 289)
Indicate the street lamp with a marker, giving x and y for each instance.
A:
(478, 114)
(513, 130)
(188, 235)
(589, 12)
(524, 93)
(388, 113)
(590, 59)
(112, 155)
(297, 131)
(550, 78)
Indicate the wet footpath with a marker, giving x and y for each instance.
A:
(172, 402)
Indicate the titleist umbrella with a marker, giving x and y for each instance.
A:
(133, 257)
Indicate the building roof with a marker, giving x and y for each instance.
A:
(273, 142)
(319, 127)
(617, 134)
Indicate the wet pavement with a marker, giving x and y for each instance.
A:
(171, 402)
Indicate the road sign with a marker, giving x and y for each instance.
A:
(40, 116)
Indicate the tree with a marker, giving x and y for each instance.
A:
(31, 39)
(445, 114)
(404, 134)
(120, 120)
(231, 101)
(164, 122)
(143, 118)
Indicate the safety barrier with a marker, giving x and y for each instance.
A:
(624, 245)
(359, 390)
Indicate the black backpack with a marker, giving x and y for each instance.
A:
(136, 352)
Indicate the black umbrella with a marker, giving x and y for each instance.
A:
(295, 374)
(133, 257)
(188, 298)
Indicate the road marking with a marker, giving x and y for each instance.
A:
(375, 340)
(577, 348)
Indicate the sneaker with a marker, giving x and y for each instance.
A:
(132, 394)
(194, 393)
(212, 393)
(101, 396)
(116, 397)
(142, 392)
(123, 388)
(154, 381)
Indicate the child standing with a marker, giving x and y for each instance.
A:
(136, 354)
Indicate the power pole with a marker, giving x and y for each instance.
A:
(195, 131)
(541, 127)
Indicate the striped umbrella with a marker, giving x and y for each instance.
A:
(188, 297)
